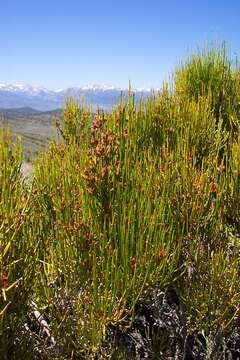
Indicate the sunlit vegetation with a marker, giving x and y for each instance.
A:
(145, 196)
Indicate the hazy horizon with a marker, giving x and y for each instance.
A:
(89, 86)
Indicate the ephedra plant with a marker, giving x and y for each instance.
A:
(140, 198)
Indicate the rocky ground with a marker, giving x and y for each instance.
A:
(26, 169)
(158, 331)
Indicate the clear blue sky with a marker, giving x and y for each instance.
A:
(61, 43)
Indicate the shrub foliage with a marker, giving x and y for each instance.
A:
(145, 196)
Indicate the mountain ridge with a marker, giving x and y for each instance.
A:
(42, 99)
(26, 111)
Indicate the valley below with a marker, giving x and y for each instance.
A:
(35, 128)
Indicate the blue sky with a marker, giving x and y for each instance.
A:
(62, 43)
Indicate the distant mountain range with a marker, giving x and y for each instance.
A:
(41, 99)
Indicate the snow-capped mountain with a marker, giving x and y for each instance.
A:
(21, 88)
(19, 95)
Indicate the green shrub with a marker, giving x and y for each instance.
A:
(145, 196)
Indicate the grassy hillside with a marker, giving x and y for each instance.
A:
(34, 127)
(145, 197)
